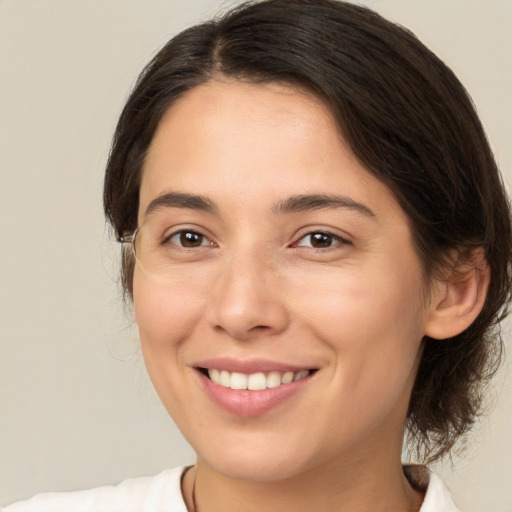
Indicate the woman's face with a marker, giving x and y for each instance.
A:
(284, 258)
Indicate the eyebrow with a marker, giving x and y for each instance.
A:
(309, 202)
(299, 203)
(181, 200)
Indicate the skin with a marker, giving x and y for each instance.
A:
(355, 310)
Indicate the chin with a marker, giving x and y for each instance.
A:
(269, 460)
(257, 469)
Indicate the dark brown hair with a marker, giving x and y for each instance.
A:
(408, 120)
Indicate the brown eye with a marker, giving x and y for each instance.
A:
(188, 239)
(319, 240)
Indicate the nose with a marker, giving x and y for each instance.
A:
(248, 301)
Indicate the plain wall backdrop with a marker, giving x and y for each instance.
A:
(76, 407)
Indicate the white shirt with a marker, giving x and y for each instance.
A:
(162, 493)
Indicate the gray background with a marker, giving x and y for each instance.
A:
(75, 403)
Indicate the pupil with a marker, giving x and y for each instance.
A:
(190, 239)
(321, 240)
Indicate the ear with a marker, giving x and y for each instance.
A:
(457, 299)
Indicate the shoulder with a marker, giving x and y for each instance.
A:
(151, 494)
(437, 496)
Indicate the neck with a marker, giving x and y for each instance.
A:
(361, 486)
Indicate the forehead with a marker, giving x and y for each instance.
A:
(221, 116)
(245, 142)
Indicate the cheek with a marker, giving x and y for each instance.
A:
(372, 322)
(359, 300)
(164, 313)
(374, 332)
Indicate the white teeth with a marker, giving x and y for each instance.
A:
(287, 378)
(254, 381)
(238, 381)
(224, 378)
(300, 375)
(273, 380)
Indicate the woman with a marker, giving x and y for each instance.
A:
(317, 246)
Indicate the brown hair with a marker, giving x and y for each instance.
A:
(409, 121)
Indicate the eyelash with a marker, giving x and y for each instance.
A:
(335, 240)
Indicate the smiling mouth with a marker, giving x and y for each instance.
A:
(254, 381)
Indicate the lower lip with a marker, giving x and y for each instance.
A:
(249, 403)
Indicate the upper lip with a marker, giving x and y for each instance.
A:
(250, 366)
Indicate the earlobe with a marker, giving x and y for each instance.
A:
(458, 299)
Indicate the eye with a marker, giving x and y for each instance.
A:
(188, 239)
(320, 240)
